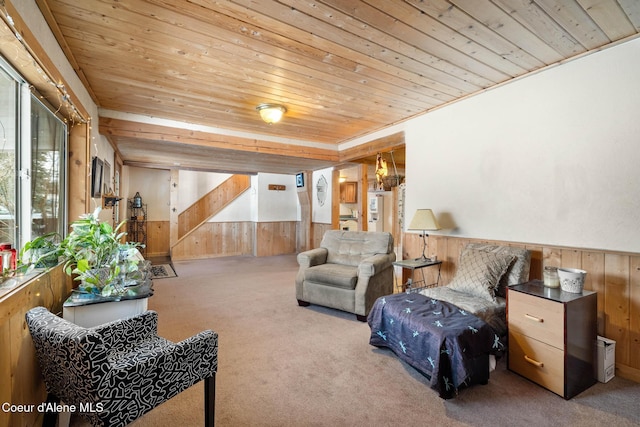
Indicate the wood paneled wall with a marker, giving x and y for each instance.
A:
(318, 231)
(20, 378)
(216, 239)
(615, 276)
(158, 238)
(276, 238)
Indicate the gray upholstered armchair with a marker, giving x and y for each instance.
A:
(121, 369)
(349, 271)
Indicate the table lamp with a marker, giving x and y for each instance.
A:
(424, 220)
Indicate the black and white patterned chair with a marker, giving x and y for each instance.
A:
(123, 369)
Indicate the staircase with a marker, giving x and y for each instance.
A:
(211, 203)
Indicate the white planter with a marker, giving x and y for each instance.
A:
(572, 279)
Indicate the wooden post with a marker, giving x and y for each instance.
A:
(174, 182)
(79, 191)
(305, 231)
(364, 191)
(335, 200)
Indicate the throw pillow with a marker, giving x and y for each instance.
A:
(479, 273)
(518, 271)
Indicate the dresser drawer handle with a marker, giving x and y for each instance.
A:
(534, 318)
(533, 362)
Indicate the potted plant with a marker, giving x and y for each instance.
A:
(98, 258)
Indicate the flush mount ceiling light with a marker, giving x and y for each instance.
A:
(271, 113)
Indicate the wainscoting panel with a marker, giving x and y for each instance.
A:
(615, 276)
(317, 233)
(21, 379)
(634, 313)
(157, 238)
(276, 238)
(216, 239)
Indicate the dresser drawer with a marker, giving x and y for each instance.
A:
(538, 318)
(537, 361)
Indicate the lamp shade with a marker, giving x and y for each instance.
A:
(271, 113)
(424, 219)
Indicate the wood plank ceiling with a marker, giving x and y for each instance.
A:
(342, 68)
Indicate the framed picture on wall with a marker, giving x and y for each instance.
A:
(96, 177)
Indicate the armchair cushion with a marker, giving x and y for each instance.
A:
(341, 276)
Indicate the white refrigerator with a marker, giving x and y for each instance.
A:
(379, 206)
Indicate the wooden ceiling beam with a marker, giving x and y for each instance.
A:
(127, 129)
(380, 145)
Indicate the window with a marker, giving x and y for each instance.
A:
(33, 147)
(48, 156)
(9, 96)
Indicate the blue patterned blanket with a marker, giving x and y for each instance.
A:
(437, 338)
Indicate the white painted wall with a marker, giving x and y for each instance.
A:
(258, 204)
(277, 205)
(553, 158)
(321, 214)
(241, 209)
(153, 186)
(193, 185)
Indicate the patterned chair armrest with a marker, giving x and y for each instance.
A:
(204, 346)
(201, 348)
(57, 342)
(168, 368)
(123, 334)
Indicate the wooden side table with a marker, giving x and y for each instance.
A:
(552, 337)
(413, 265)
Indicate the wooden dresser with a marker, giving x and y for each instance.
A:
(552, 337)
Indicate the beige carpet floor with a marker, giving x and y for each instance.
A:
(284, 365)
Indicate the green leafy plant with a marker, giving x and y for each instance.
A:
(42, 251)
(96, 255)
